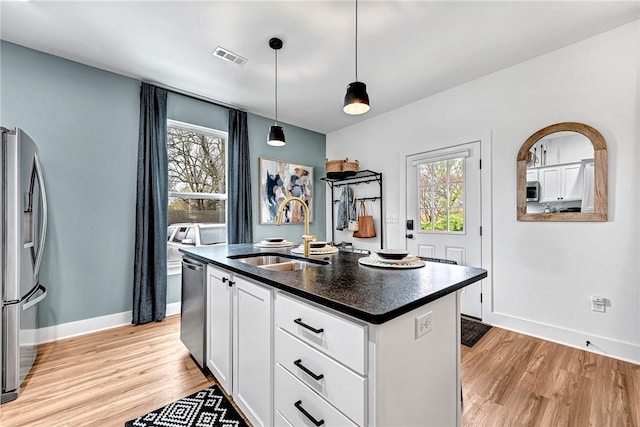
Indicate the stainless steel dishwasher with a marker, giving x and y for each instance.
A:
(192, 315)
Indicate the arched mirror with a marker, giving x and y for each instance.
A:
(562, 174)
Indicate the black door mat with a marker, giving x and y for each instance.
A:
(472, 331)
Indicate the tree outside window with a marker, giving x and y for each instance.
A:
(441, 192)
(197, 174)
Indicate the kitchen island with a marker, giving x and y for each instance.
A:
(335, 342)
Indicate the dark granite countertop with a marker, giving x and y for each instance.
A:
(372, 294)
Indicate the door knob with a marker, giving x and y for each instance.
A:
(409, 236)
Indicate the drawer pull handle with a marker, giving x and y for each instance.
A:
(311, 328)
(298, 405)
(299, 364)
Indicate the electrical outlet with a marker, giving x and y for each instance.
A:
(391, 219)
(424, 324)
(598, 304)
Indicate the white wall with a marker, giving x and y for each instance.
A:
(542, 275)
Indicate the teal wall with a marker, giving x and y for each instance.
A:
(85, 121)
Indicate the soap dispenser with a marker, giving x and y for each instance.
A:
(547, 209)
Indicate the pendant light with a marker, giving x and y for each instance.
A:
(276, 134)
(356, 101)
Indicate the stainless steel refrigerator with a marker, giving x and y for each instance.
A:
(22, 233)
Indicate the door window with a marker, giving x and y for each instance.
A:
(441, 195)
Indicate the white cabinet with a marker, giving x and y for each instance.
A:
(240, 333)
(532, 175)
(219, 295)
(336, 336)
(561, 183)
(289, 362)
(333, 370)
(572, 182)
(253, 331)
(321, 366)
(298, 405)
(588, 187)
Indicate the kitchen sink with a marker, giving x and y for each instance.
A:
(278, 262)
(289, 266)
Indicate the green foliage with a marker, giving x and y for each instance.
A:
(456, 223)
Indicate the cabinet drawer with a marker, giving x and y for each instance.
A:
(342, 387)
(280, 421)
(299, 405)
(338, 337)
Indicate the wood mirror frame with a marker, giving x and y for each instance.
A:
(600, 175)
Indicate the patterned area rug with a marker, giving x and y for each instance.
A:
(472, 331)
(206, 408)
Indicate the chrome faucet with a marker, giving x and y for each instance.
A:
(306, 237)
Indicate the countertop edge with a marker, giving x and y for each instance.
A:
(335, 305)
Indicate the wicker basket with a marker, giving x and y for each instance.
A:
(333, 166)
(351, 167)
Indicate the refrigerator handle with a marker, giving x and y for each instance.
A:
(43, 229)
(30, 303)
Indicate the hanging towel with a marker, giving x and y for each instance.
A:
(346, 208)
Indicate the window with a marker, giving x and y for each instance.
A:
(197, 185)
(441, 192)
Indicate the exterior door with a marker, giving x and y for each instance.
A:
(444, 211)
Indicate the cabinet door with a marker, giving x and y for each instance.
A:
(588, 196)
(572, 182)
(550, 185)
(252, 351)
(219, 326)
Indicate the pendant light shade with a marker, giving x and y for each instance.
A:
(356, 101)
(276, 136)
(276, 133)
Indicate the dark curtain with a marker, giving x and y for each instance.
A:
(239, 184)
(150, 263)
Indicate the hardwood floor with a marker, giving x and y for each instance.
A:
(106, 378)
(509, 379)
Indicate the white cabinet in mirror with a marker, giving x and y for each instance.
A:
(557, 165)
(562, 175)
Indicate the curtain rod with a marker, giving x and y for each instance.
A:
(195, 96)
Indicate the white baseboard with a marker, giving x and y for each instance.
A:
(95, 324)
(628, 352)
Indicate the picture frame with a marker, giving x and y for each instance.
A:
(279, 179)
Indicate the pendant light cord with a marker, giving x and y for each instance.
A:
(276, 97)
(356, 40)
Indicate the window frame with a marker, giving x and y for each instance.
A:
(174, 267)
(430, 160)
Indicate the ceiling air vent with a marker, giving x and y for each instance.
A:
(227, 55)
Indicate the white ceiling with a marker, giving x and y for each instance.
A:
(408, 50)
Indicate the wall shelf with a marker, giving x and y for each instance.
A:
(360, 177)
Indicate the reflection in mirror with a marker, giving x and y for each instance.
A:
(562, 175)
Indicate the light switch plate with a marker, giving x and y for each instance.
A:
(391, 219)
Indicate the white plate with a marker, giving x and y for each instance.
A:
(265, 244)
(318, 251)
(377, 262)
(405, 260)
